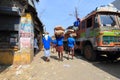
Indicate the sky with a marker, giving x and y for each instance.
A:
(62, 12)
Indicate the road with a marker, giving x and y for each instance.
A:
(76, 69)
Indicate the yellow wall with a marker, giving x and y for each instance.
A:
(8, 57)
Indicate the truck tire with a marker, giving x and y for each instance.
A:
(89, 53)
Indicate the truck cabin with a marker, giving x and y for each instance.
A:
(100, 18)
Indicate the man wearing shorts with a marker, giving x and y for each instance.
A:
(71, 43)
(59, 40)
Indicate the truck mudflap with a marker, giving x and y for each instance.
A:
(108, 48)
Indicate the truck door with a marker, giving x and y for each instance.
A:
(89, 27)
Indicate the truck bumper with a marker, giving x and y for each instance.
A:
(108, 49)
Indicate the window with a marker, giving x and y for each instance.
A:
(83, 24)
(96, 22)
(119, 18)
(9, 39)
(107, 20)
(89, 22)
(13, 39)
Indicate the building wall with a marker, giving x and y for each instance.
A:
(28, 21)
(24, 54)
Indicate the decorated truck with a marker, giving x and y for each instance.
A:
(99, 33)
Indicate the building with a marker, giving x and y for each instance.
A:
(18, 26)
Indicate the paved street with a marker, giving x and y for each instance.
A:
(77, 69)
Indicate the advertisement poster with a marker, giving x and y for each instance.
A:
(25, 42)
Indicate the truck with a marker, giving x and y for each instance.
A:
(99, 33)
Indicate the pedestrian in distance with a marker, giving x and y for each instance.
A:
(36, 48)
(59, 40)
(46, 40)
(53, 44)
(71, 44)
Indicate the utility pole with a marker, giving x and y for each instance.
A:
(76, 13)
(77, 22)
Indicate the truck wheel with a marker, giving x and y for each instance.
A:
(89, 54)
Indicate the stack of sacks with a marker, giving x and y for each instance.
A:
(71, 31)
(59, 30)
(74, 34)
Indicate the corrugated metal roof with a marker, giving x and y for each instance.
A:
(31, 2)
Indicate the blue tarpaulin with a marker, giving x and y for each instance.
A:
(77, 23)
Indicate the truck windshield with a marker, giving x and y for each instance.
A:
(107, 20)
(119, 20)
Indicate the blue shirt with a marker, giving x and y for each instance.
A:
(77, 23)
(47, 42)
(59, 41)
(54, 41)
(71, 42)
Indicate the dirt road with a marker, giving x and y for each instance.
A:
(76, 69)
